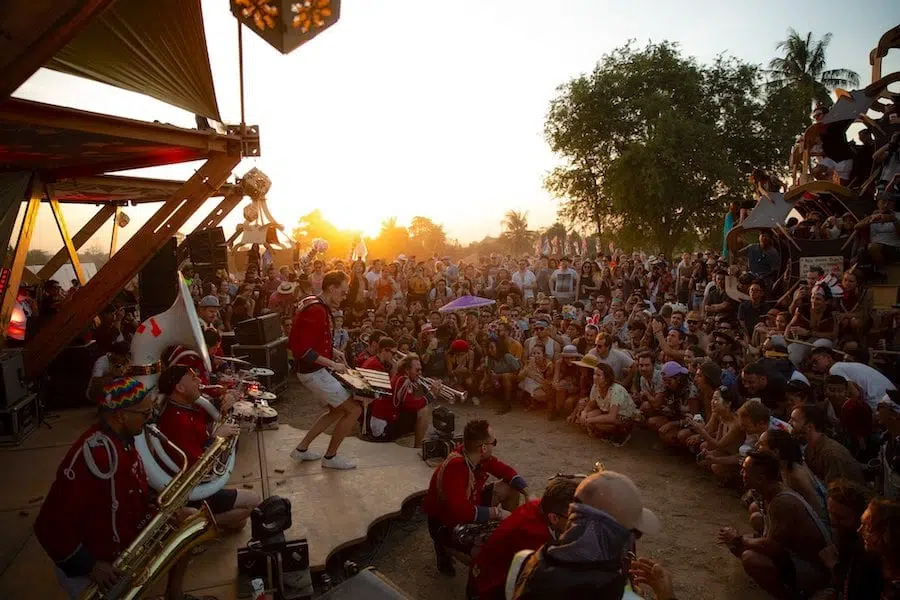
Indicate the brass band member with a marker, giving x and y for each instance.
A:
(383, 359)
(190, 428)
(457, 493)
(100, 499)
(406, 409)
(312, 345)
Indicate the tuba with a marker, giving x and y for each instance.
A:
(180, 325)
(164, 540)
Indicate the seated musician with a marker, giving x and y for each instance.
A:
(457, 493)
(100, 499)
(190, 428)
(383, 360)
(406, 410)
(529, 527)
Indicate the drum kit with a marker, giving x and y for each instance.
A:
(254, 409)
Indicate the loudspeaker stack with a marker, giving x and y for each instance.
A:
(158, 281)
(208, 252)
(20, 410)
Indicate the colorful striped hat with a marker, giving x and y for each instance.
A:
(122, 392)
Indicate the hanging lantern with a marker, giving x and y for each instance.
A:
(123, 220)
(287, 24)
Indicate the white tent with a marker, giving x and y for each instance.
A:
(65, 274)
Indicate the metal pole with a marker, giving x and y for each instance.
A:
(241, 70)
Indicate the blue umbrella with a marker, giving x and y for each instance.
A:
(465, 303)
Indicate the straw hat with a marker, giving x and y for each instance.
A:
(588, 361)
(570, 351)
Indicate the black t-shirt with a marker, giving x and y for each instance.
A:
(773, 395)
(750, 315)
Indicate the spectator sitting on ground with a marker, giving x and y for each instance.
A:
(609, 411)
(856, 573)
(621, 362)
(793, 533)
(871, 382)
(827, 458)
(794, 472)
(880, 530)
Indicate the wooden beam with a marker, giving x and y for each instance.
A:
(38, 53)
(79, 240)
(115, 232)
(16, 183)
(126, 263)
(68, 246)
(222, 210)
(11, 292)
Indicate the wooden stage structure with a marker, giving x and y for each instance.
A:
(333, 510)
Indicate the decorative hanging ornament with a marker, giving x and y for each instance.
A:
(261, 12)
(259, 227)
(310, 13)
(287, 24)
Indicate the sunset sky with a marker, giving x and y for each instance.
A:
(418, 107)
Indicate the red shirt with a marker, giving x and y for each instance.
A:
(188, 428)
(525, 529)
(76, 525)
(406, 397)
(374, 363)
(454, 495)
(311, 335)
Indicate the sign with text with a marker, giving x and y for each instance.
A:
(829, 264)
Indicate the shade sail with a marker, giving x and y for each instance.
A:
(769, 213)
(155, 48)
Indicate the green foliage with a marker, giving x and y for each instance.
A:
(516, 233)
(653, 141)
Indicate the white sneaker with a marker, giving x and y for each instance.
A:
(336, 462)
(307, 455)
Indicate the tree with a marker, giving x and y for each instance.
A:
(37, 257)
(803, 68)
(392, 240)
(652, 140)
(516, 233)
(427, 235)
(313, 225)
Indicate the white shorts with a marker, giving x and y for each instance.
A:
(323, 386)
(529, 386)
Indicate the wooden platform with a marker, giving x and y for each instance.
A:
(331, 509)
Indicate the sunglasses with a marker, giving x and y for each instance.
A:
(493, 443)
(692, 322)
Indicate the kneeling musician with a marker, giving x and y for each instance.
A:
(189, 428)
(530, 526)
(458, 495)
(406, 410)
(100, 499)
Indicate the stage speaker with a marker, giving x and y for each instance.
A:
(259, 330)
(158, 281)
(273, 355)
(12, 374)
(67, 377)
(207, 246)
(369, 584)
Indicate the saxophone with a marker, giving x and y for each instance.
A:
(165, 540)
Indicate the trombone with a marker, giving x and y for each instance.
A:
(446, 392)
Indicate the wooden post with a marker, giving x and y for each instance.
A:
(11, 291)
(79, 240)
(68, 246)
(222, 210)
(125, 263)
(115, 232)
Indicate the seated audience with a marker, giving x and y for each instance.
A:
(827, 458)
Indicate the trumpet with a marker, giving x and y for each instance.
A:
(445, 391)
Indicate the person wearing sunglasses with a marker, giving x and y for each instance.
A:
(459, 493)
(100, 499)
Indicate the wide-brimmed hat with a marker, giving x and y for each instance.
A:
(287, 288)
(588, 361)
(570, 351)
(618, 496)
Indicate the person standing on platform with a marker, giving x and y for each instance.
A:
(312, 346)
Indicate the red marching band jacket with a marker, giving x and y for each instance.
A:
(454, 493)
(406, 396)
(188, 428)
(97, 505)
(311, 334)
(526, 528)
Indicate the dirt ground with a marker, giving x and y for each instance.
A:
(690, 504)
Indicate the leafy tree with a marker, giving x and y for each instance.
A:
(314, 225)
(516, 233)
(803, 68)
(651, 141)
(393, 239)
(427, 235)
(37, 257)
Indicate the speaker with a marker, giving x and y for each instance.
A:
(19, 419)
(207, 246)
(158, 281)
(12, 377)
(273, 355)
(259, 330)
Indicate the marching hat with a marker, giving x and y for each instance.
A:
(121, 393)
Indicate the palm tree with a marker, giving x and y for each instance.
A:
(803, 69)
(516, 232)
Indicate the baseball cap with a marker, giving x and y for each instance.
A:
(209, 301)
(427, 327)
(618, 496)
(672, 369)
(121, 393)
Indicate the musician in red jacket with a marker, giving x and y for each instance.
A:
(312, 346)
(191, 429)
(100, 499)
(383, 360)
(457, 493)
(406, 410)
(529, 527)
